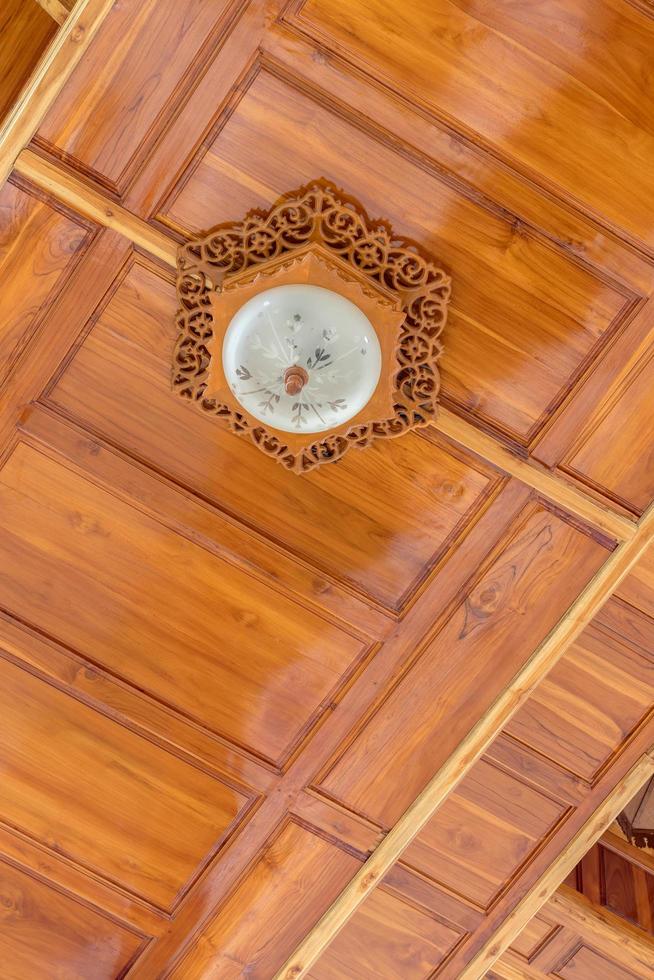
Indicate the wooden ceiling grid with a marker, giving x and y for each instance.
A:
(415, 686)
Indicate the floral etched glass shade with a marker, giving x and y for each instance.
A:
(301, 357)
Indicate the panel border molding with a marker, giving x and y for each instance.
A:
(472, 747)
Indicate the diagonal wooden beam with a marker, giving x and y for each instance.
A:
(611, 934)
(511, 967)
(89, 202)
(55, 8)
(48, 78)
(471, 748)
(536, 476)
(544, 888)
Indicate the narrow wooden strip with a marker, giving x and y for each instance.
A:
(636, 856)
(55, 8)
(471, 748)
(609, 932)
(553, 487)
(87, 201)
(48, 78)
(547, 884)
(511, 967)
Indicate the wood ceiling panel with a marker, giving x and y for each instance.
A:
(397, 510)
(46, 930)
(386, 938)
(589, 964)
(524, 318)
(638, 588)
(198, 648)
(476, 650)
(484, 832)
(601, 460)
(38, 246)
(26, 30)
(155, 51)
(105, 579)
(83, 787)
(553, 85)
(291, 885)
(589, 703)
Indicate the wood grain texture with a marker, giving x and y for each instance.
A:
(386, 938)
(41, 928)
(553, 57)
(295, 878)
(46, 80)
(542, 889)
(276, 689)
(397, 507)
(38, 245)
(517, 579)
(589, 703)
(130, 76)
(507, 302)
(106, 799)
(26, 30)
(78, 195)
(56, 8)
(271, 651)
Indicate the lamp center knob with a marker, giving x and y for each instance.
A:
(295, 378)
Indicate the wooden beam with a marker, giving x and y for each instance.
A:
(609, 933)
(471, 748)
(511, 967)
(536, 476)
(55, 8)
(48, 78)
(544, 888)
(89, 202)
(83, 198)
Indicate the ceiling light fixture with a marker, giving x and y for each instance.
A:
(310, 329)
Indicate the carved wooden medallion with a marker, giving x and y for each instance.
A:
(314, 236)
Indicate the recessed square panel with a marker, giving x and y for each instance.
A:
(524, 315)
(379, 520)
(162, 613)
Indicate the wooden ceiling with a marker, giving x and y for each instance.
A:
(415, 686)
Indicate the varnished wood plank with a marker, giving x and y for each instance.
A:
(89, 202)
(63, 537)
(399, 507)
(516, 341)
(45, 930)
(510, 967)
(294, 879)
(57, 10)
(111, 802)
(517, 575)
(472, 747)
(130, 81)
(607, 931)
(48, 79)
(444, 57)
(542, 480)
(546, 885)
(38, 248)
(26, 29)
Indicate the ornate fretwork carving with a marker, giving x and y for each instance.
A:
(384, 265)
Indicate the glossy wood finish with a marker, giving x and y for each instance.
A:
(222, 684)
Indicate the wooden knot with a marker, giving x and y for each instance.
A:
(295, 379)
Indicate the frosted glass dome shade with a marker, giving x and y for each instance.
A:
(301, 358)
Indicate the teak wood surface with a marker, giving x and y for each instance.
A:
(408, 690)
